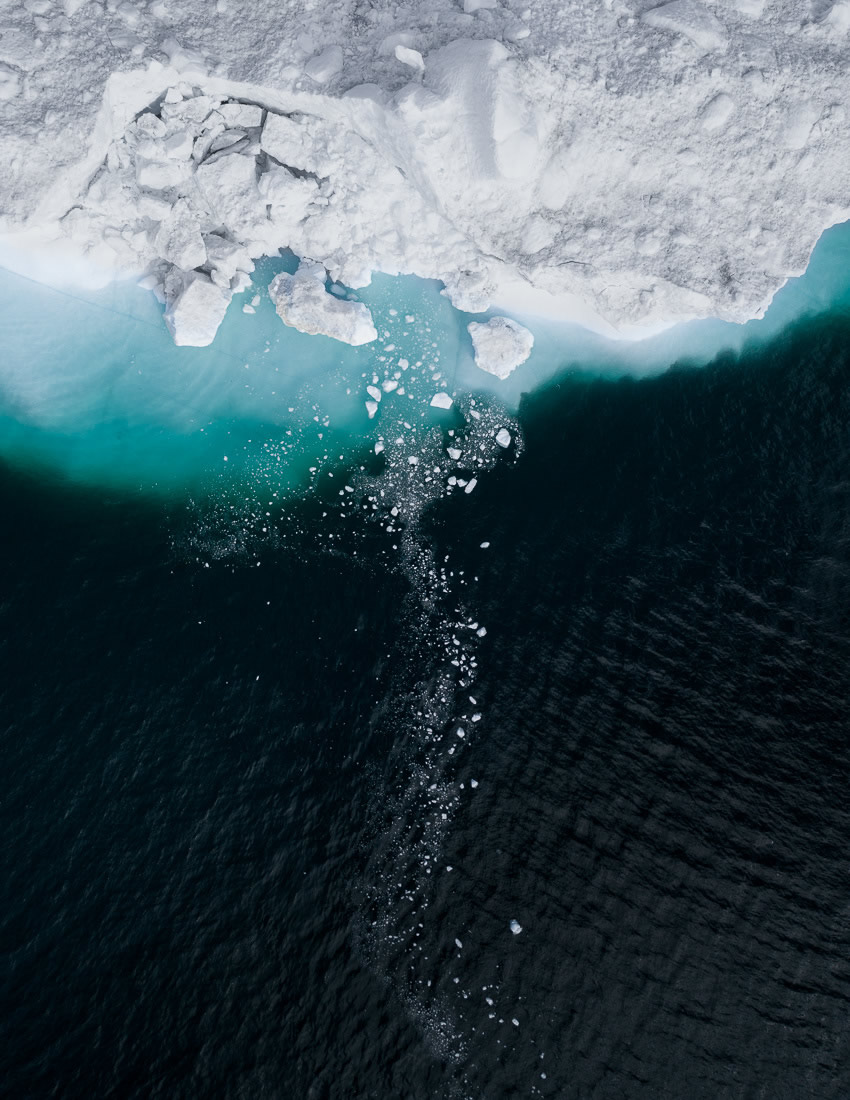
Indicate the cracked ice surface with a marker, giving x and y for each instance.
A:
(620, 164)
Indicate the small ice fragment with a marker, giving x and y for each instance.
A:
(379, 446)
(515, 1021)
(503, 437)
(473, 783)
(485, 545)
(473, 481)
(412, 58)
(457, 941)
(390, 385)
(461, 732)
(413, 460)
(476, 717)
(441, 401)
(453, 453)
(374, 393)
(371, 408)
(481, 631)
(516, 927)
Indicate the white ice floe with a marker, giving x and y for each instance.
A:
(441, 401)
(621, 167)
(195, 307)
(500, 345)
(516, 927)
(302, 301)
(503, 437)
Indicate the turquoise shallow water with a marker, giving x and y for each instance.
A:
(93, 389)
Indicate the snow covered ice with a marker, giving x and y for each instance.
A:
(621, 165)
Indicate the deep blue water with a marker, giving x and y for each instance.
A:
(243, 853)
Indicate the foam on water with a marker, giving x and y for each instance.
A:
(92, 387)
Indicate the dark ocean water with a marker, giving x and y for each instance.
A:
(214, 767)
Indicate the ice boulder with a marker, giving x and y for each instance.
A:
(195, 308)
(179, 239)
(302, 302)
(500, 345)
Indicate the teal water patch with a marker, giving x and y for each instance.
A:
(824, 287)
(93, 388)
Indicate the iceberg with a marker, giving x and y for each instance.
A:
(625, 171)
(302, 302)
(500, 345)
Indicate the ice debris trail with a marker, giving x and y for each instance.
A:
(432, 712)
(618, 164)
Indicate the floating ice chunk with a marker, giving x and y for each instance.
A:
(371, 409)
(485, 545)
(302, 302)
(457, 941)
(691, 19)
(325, 65)
(503, 437)
(500, 345)
(454, 453)
(441, 401)
(516, 927)
(374, 393)
(195, 310)
(379, 446)
(473, 783)
(470, 485)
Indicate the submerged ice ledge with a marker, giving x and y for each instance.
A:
(619, 165)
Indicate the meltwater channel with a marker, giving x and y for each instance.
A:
(326, 777)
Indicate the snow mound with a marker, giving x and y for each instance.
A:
(302, 302)
(500, 345)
